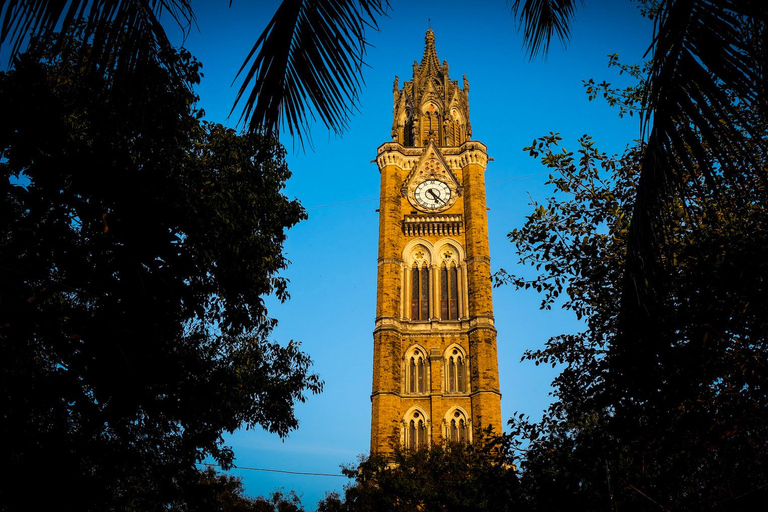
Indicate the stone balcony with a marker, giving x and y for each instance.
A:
(433, 224)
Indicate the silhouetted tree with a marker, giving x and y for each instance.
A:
(306, 64)
(138, 244)
(687, 431)
(454, 477)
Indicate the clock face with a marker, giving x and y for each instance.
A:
(433, 195)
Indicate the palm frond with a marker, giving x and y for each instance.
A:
(709, 60)
(307, 64)
(541, 19)
(123, 33)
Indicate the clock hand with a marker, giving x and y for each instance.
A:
(436, 197)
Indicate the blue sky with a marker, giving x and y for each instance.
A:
(333, 254)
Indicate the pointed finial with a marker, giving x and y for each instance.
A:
(430, 38)
(429, 23)
(429, 62)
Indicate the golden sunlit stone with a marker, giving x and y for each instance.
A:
(435, 368)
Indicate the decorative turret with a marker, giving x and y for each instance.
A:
(431, 106)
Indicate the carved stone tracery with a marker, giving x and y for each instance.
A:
(442, 113)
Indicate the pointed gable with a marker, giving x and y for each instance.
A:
(431, 165)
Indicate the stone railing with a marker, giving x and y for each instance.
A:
(432, 224)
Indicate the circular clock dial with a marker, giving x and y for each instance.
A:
(433, 195)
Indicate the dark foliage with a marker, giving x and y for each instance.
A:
(138, 243)
(308, 61)
(541, 19)
(682, 425)
(454, 477)
(126, 35)
(661, 402)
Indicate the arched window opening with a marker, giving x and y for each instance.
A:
(458, 430)
(456, 372)
(417, 373)
(455, 128)
(453, 303)
(449, 292)
(424, 300)
(420, 292)
(431, 124)
(407, 127)
(416, 432)
(443, 292)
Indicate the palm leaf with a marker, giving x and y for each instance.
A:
(709, 62)
(706, 71)
(124, 34)
(541, 19)
(307, 64)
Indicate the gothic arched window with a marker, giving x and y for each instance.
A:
(415, 437)
(455, 126)
(449, 292)
(407, 126)
(431, 124)
(457, 428)
(456, 363)
(415, 372)
(420, 292)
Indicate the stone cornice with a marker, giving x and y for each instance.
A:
(456, 158)
(438, 394)
(486, 392)
(392, 261)
(434, 328)
(484, 259)
(481, 322)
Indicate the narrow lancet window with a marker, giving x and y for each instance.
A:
(454, 293)
(412, 375)
(444, 293)
(424, 301)
(452, 375)
(416, 372)
(460, 385)
(415, 292)
(449, 292)
(456, 372)
(421, 370)
(420, 292)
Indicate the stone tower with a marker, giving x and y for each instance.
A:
(435, 368)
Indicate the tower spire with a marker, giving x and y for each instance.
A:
(429, 62)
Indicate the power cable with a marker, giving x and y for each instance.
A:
(376, 198)
(277, 470)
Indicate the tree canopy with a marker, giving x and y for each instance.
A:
(138, 244)
(305, 66)
(453, 477)
(676, 422)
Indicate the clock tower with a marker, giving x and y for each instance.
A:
(435, 368)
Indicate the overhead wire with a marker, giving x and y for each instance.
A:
(515, 178)
(306, 473)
